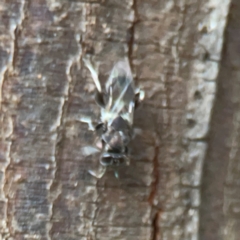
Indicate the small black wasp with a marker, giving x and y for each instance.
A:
(114, 130)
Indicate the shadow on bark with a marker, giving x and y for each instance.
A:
(218, 179)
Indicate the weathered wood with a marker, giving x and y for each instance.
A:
(174, 48)
(219, 211)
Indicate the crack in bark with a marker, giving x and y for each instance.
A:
(60, 127)
(155, 176)
(155, 233)
(6, 191)
(154, 185)
(54, 162)
(14, 32)
(95, 213)
(131, 33)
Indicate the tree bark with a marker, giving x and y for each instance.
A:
(183, 180)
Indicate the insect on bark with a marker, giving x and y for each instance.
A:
(114, 129)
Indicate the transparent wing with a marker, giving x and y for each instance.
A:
(121, 68)
(120, 89)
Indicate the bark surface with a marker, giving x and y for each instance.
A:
(183, 181)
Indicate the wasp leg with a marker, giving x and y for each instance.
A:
(98, 142)
(89, 121)
(116, 174)
(98, 173)
(99, 99)
(89, 150)
(127, 160)
(136, 132)
(100, 128)
(139, 96)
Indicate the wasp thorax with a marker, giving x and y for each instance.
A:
(114, 141)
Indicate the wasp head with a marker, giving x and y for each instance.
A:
(115, 147)
(114, 159)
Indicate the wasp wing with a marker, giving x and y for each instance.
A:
(94, 74)
(121, 93)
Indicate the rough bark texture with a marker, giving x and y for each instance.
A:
(220, 204)
(183, 181)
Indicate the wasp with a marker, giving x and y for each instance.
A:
(114, 130)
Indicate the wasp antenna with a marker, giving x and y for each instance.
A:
(93, 73)
(98, 173)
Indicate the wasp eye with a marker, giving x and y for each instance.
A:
(105, 161)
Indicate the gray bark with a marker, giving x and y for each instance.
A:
(183, 181)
